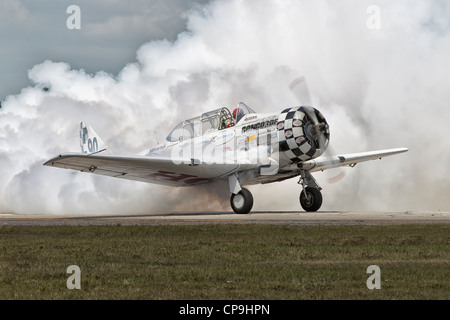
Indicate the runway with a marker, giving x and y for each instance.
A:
(281, 217)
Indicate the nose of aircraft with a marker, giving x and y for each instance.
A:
(303, 133)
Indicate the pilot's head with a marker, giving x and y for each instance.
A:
(229, 122)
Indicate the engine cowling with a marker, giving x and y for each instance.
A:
(303, 133)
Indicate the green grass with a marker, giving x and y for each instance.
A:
(225, 262)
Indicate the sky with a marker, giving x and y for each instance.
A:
(377, 70)
(111, 32)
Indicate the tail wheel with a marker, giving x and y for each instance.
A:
(242, 202)
(312, 200)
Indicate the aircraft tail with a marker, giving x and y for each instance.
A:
(90, 142)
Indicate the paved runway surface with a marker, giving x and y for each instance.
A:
(282, 217)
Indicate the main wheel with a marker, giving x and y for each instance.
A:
(242, 202)
(312, 201)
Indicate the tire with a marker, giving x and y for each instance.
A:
(314, 200)
(242, 202)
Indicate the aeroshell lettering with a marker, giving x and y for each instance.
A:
(260, 125)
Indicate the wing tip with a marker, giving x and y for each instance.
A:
(51, 162)
(401, 150)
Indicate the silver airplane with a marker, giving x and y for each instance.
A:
(242, 147)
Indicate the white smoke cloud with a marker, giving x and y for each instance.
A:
(377, 88)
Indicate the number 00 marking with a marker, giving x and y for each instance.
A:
(93, 145)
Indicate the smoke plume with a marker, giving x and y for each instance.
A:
(378, 88)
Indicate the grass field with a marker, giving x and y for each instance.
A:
(225, 261)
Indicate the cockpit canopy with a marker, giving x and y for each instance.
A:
(211, 121)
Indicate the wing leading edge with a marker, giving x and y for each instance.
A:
(156, 170)
(351, 160)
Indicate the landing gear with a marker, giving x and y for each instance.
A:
(310, 197)
(242, 202)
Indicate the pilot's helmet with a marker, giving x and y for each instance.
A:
(229, 122)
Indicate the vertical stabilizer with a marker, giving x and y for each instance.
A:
(90, 142)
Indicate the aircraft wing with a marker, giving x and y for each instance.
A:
(166, 171)
(158, 170)
(323, 163)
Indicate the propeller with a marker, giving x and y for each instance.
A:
(315, 130)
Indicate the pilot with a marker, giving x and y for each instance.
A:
(229, 122)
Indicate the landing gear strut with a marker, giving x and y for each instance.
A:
(242, 202)
(310, 197)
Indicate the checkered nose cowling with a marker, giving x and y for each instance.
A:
(303, 133)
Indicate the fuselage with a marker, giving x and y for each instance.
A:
(271, 141)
